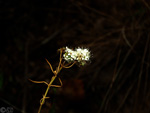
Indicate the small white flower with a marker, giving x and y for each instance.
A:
(68, 56)
(80, 55)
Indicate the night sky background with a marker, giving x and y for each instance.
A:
(117, 77)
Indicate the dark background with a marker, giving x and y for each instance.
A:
(117, 32)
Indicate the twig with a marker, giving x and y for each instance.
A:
(54, 35)
(146, 4)
(95, 11)
(126, 95)
(125, 38)
(147, 74)
(141, 72)
(117, 74)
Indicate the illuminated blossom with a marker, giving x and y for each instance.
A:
(79, 54)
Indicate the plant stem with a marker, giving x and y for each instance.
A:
(58, 69)
(48, 88)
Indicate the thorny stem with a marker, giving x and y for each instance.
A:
(58, 69)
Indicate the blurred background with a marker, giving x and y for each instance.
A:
(116, 80)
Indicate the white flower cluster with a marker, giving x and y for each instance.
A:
(80, 55)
